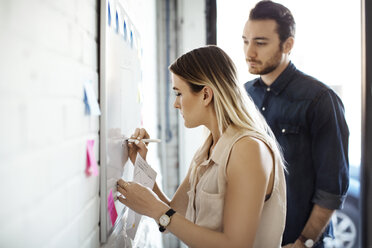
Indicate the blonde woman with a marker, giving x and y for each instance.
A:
(234, 192)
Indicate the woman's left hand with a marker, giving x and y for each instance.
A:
(141, 199)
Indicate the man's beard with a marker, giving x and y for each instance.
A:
(270, 65)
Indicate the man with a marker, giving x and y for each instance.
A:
(307, 118)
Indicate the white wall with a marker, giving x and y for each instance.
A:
(48, 49)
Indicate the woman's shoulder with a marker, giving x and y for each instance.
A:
(248, 145)
(252, 150)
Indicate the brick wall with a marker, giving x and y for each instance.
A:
(48, 49)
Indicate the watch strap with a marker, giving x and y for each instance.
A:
(169, 213)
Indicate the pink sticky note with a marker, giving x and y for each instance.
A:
(91, 167)
(111, 208)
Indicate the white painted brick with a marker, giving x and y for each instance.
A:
(44, 121)
(93, 240)
(11, 233)
(66, 237)
(90, 51)
(11, 132)
(39, 24)
(15, 55)
(65, 7)
(75, 44)
(88, 220)
(87, 17)
(74, 119)
(68, 159)
(88, 188)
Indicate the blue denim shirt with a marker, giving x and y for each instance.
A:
(307, 118)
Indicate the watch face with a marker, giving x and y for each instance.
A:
(164, 220)
(309, 243)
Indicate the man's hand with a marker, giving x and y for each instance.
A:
(297, 244)
(288, 245)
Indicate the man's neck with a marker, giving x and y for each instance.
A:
(269, 78)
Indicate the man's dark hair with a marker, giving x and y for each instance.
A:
(268, 10)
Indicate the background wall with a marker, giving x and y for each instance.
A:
(48, 49)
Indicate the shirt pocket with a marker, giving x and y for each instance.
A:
(289, 129)
(190, 211)
(210, 211)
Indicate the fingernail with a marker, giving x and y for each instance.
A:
(136, 142)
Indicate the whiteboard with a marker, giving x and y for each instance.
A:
(121, 104)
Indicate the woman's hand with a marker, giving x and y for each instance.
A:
(138, 146)
(141, 199)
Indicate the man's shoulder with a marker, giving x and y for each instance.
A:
(248, 85)
(307, 86)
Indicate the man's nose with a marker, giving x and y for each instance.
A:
(250, 51)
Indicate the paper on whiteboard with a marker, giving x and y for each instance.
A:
(144, 175)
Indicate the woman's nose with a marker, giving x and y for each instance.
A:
(176, 104)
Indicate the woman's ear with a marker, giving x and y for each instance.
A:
(207, 95)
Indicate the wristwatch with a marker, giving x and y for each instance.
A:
(306, 241)
(165, 219)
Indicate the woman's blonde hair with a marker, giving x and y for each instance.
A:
(211, 66)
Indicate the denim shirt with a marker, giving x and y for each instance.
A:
(307, 118)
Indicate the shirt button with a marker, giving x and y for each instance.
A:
(268, 89)
(263, 108)
(283, 130)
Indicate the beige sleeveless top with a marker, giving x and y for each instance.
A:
(207, 191)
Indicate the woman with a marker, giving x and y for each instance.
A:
(234, 192)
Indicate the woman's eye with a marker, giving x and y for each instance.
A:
(177, 93)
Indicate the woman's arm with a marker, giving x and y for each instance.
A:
(180, 198)
(248, 174)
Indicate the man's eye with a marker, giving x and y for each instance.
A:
(261, 43)
(177, 93)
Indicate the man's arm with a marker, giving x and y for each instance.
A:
(330, 163)
(315, 225)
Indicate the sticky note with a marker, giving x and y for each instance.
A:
(109, 15)
(90, 100)
(111, 208)
(91, 165)
(125, 30)
(117, 22)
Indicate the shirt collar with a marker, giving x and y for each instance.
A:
(280, 82)
(202, 154)
(218, 154)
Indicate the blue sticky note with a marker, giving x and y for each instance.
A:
(87, 108)
(125, 30)
(90, 100)
(131, 39)
(117, 22)
(109, 15)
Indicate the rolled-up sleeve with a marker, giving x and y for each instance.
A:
(330, 136)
